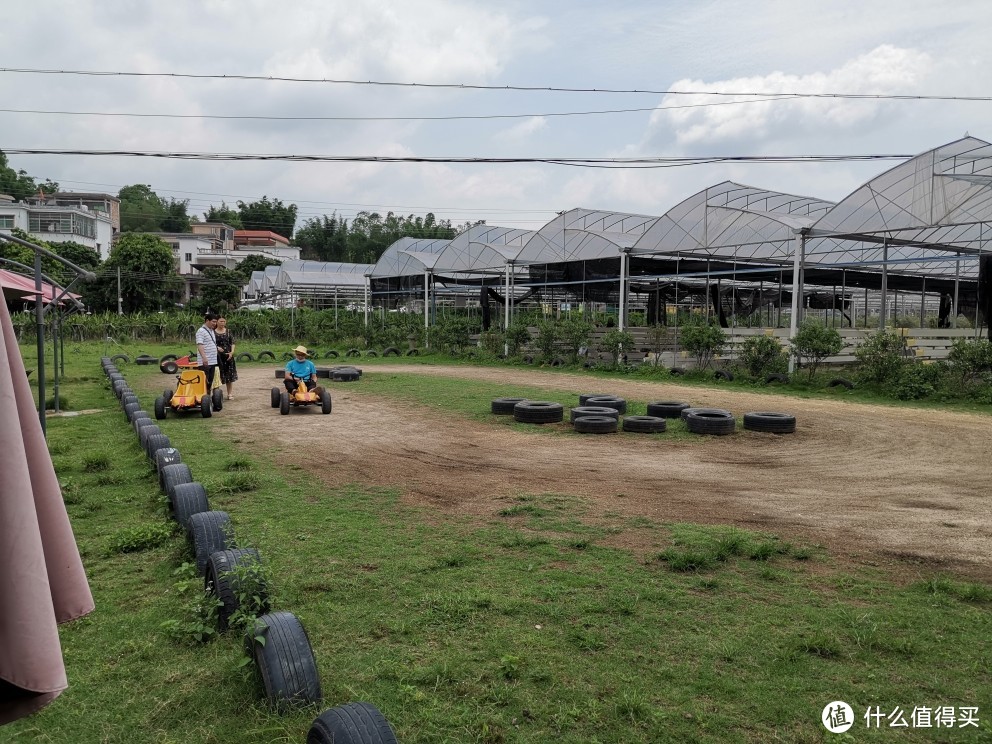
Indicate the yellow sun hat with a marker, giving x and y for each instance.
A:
(301, 350)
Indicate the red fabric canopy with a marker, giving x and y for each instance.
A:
(16, 286)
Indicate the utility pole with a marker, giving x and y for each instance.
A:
(119, 298)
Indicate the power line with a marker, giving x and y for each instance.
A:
(469, 86)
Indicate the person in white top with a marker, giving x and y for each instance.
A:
(206, 347)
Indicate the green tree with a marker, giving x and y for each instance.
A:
(704, 341)
(175, 219)
(323, 239)
(141, 209)
(761, 355)
(268, 215)
(880, 357)
(813, 343)
(615, 343)
(219, 290)
(148, 276)
(224, 214)
(19, 184)
(23, 255)
(255, 262)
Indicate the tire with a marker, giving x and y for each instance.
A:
(219, 579)
(686, 411)
(119, 386)
(666, 408)
(244, 356)
(209, 532)
(285, 661)
(325, 402)
(557, 362)
(841, 382)
(330, 354)
(323, 373)
(718, 423)
(145, 359)
(167, 394)
(354, 723)
(413, 352)
(160, 408)
(217, 399)
(169, 368)
(141, 421)
(145, 432)
(167, 358)
(138, 414)
(127, 398)
(595, 425)
(174, 475)
(777, 377)
(188, 499)
(608, 401)
(676, 371)
(584, 397)
(371, 353)
(722, 374)
(538, 412)
(164, 457)
(154, 443)
(280, 374)
(130, 409)
(276, 394)
(206, 409)
(284, 403)
(266, 355)
(504, 406)
(528, 359)
(120, 358)
(580, 411)
(390, 351)
(352, 353)
(645, 424)
(286, 356)
(767, 421)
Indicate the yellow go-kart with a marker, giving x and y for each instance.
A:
(284, 400)
(192, 392)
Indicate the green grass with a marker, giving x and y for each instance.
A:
(527, 627)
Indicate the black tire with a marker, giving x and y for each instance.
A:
(160, 408)
(557, 362)
(584, 397)
(163, 457)
(206, 408)
(579, 411)
(220, 579)
(504, 406)
(285, 661)
(275, 395)
(140, 421)
(286, 356)
(217, 399)
(528, 359)
(167, 394)
(284, 403)
(168, 368)
(390, 351)
(777, 377)
(130, 409)
(666, 408)
(538, 412)
(266, 355)
(645, 424)
(120, 358)
(280, 374)
(244, 356)
(353, 353)
(608, 401)
(174, 475)
(841, 382)
(323, 373)
(684, 414)
(188, 499)
(413, 352)
(718, 423)
(371, 353)
(330, 354)
(325, 402)
(595, 425)
(167, 358)
(145, 359)
(676, 371)
(145, 432)
(128, 398)
(722, 374)
(134, 415)
(154, 443)
(119, 386)
(768, 421)
(209, 532)
(354, 723)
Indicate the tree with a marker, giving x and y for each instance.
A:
(268, 215)
(224, 214)
(323, 239)
(703, 341)
(220, 289)
(813, 343)
(175, 219)
(141, 209)
(19, 184)
(148, 275)
(255, 262)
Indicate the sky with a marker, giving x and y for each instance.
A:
(904, 48)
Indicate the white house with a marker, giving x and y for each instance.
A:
(62, 218)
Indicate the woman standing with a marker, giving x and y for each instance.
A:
(225, 356)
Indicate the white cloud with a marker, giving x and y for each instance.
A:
(524, 129)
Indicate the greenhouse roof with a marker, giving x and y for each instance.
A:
(398, 259)
(584, 235)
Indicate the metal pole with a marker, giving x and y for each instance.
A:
(39, 314)
(427, 311)
(368, 282)
(796, 290)
(120, 311)
(957, 277)
(506, 310)
(923, 303)
(883, 307)
(55, 354)
(623, 293)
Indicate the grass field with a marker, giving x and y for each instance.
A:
(522, 629)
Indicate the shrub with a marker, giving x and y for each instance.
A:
(143, 537)
(762, 355)
(575, 334)
(970, 362)
(917, 381)
(492, 342)
(547, 338)
(813, 343)
(517, 334)
(451, 334)
(614, 341)
(880, 357)
(703, 341)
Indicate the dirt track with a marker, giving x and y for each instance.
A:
(897, 487)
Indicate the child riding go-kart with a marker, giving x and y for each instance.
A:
(192, 392)
(301, 385)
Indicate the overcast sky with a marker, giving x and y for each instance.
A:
(904, 47)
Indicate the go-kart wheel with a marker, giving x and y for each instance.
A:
(167, 395)
(325, 401)
(217, 398)
(284, 403)
(169, 368)
(160, 408)
(206, 410)
(276, 393)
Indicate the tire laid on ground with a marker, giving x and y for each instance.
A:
(168, 368)
(504, 406)
(595, 424)
(266, 355)
(165, 456)
(209, 531)
(390, 351)
(345, 375)
(244, 356)
(841, 382)
(645, 424)
(154, 443)
(220, 579)
(538, 412)
(275, 395)
(330, 354)
(676, 371)
(160, 408)
(776, 377)
(217, 399)
(684, 414)
(285, 661)
(666, 408)
(284, 403)
(608, 401)
(722, 374)
(719, 423)
(174, 475)
(354, 723)
(770, 421)
(353, 353)
(584, 397)
(578, 411)
(413, 352)
(206, 407)
(325, 402)
(146, 359)
(323, 373)
(121, 358)
(188, 499)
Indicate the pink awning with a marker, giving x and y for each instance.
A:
(18, 286)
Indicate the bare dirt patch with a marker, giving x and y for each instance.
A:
(872, 483)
